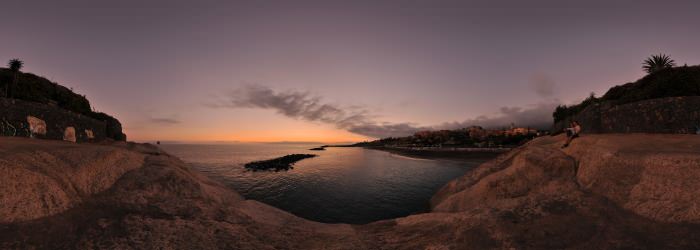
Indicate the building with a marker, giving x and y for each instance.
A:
(513, 131)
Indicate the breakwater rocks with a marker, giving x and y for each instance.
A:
(318, 149)
(277, 164)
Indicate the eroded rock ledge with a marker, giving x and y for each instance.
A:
(604, 191)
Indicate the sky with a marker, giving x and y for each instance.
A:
(339, 71)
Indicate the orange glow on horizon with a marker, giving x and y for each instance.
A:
(323, 135)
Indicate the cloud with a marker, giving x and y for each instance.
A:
(536, 116)
(386, 129)
(165, 120)
(543, 85)
(292, 104)
(302, 105)
(355, 119)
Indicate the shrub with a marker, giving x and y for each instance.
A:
(657, 62)
(666, 82)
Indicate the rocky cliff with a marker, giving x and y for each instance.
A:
(21, 118)
(665, 101)
(604, 191)
(59, 107)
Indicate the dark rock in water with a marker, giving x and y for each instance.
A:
(280, 163)
(318, 149)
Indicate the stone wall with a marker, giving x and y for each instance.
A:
(21, 118)
(674, 115)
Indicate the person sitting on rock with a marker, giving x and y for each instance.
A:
(572, 132)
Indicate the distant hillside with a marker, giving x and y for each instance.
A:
(38, 89)
(670, 82)
(471, 137)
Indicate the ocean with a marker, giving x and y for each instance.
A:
(341, 185)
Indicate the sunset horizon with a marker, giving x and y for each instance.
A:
(290, 72)
(350, 125)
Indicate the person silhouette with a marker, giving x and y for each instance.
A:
(572, 132)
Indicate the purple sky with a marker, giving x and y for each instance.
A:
(339, 70)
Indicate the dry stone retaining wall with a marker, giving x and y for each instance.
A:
(671, 115)
(30, 119)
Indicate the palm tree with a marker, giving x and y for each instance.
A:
(15, 65)
(657, 62)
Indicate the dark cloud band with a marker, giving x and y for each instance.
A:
(303, 105)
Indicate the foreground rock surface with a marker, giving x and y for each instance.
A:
(604, 191)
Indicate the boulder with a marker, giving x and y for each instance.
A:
(36, 126)
(89, 134)
(69, 134)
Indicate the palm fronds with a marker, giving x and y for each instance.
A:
(657, 62)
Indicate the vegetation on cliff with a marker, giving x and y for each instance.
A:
(663, 81)
(657, 62)
(30, 87)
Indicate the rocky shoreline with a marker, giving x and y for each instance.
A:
(607, 191)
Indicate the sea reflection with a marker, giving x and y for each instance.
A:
(342, 185)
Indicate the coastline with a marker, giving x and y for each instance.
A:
(453, 154)
(126, 195)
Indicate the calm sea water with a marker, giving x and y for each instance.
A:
(342, 185)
